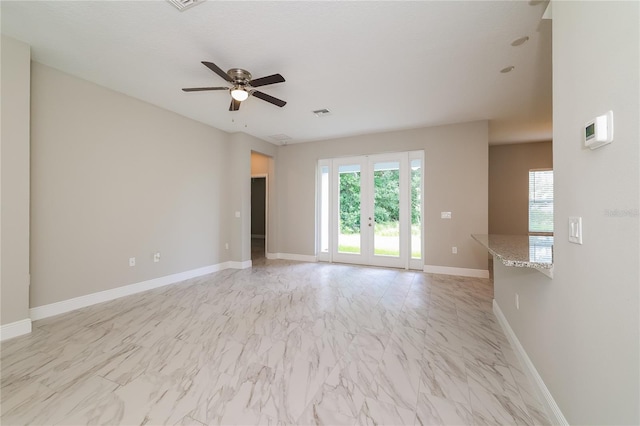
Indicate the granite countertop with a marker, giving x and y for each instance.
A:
(523, 251)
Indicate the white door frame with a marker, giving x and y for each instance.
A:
(367, 255)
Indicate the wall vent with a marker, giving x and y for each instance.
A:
(182, 5)
(322, 112)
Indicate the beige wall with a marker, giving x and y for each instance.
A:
(14, 178)
(509, 167)
(113, 178)
(581, 329)
(456, 180)
(259, 164)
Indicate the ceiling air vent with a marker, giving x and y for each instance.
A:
(184, 4)
(282, 138)
(322, 112)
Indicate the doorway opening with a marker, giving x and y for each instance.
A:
(262, 172)
(258, 217)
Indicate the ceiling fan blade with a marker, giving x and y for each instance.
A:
(269, 98)
(213, 67)
(270, 79)
(235, 105)
(200, 89)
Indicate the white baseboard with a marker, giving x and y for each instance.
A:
(290, 256)
(239, 265)
(463, 272)
(64, 306)
(15, 329)
(553, 411)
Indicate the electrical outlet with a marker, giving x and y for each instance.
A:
(454, 250)
(156, 257)
(132, 261)
(517, 301)
(445, 215)
(226, 246)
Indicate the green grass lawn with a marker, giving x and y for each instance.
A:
(348, 249)
(385, 231)
(378, 252)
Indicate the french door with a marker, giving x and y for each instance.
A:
(370, 210)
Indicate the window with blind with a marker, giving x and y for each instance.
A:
(541, 201)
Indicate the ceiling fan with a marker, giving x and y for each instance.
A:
(242, 85)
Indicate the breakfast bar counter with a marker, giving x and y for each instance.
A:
(520, 251)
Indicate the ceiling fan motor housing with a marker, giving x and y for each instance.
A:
(239, 76)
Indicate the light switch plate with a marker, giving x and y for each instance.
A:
(575, 229)
(445, 215)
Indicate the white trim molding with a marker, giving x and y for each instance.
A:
(239, 265)
(15, 329)
(57, 308)
(290, 256)
(463, 272)
(550, 405)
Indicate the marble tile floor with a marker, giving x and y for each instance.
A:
(280, 343)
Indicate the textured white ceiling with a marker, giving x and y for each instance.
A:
(377, 66)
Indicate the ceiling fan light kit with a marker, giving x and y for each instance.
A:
(242, 85)
(239, 94)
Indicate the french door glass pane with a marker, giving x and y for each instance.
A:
(349, 182)
(416, 213)
(386, 209)
(324, 209)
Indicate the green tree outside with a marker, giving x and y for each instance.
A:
(386, 190)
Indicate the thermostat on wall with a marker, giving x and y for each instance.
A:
(599, 132)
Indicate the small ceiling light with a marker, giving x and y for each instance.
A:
(239, 94)
(520, 41)
(507, 69)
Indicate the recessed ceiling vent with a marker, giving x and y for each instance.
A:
(182, 5)
(322, 112)
(282, 138)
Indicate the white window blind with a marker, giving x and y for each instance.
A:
(541, 201)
